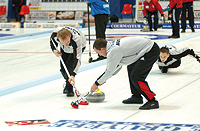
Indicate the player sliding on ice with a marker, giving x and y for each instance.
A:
(170, 57)
(139, 54)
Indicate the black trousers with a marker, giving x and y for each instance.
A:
(155, 19)
(175, 21)
(101, 21)
(69, 60)
(187, 6)
(138, 71)
(17, 9)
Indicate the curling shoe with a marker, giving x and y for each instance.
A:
(192, 29)
(69, 92)
(198, 58)
(183, 31)
(173, 36)
(133, 100)
(152, 104)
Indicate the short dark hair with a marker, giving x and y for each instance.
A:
(100, 43)
(164, 50)
(63, 33)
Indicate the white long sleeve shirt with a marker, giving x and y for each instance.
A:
(123, 51)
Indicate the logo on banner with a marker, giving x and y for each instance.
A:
(6, 26)
(48, 25)
(27, 122)
(31, 25)
(106, 125)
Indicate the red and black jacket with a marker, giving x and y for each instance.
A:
(153, 6)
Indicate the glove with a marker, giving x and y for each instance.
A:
(90, 59)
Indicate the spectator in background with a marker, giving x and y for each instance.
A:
(187, 5)
(151, 7)
(100, 11)
(175, 7)
(17, 4)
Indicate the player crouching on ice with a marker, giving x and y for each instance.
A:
(170, 57)
(139, 55)
(72, 43)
